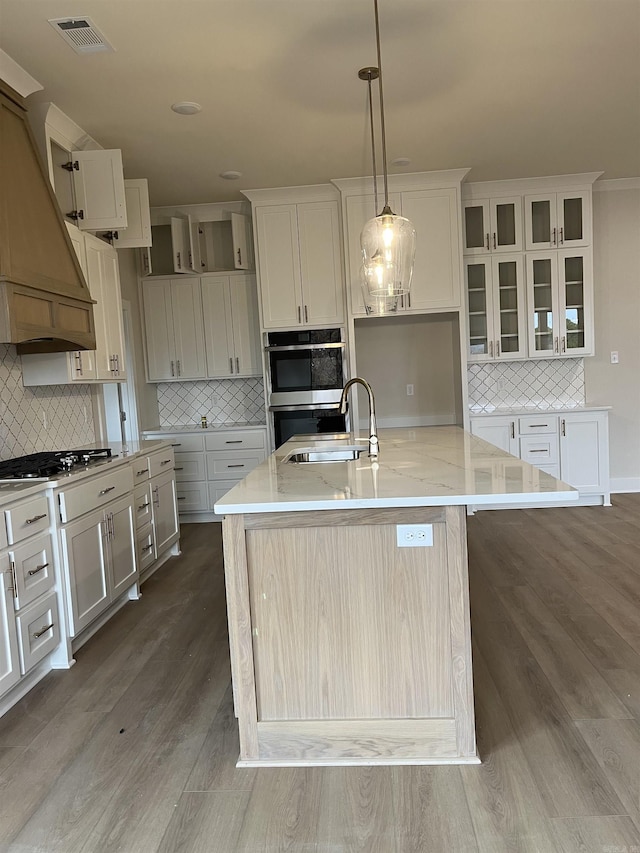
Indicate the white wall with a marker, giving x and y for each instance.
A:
(616, 241)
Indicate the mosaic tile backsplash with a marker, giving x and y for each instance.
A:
(48, 417)
(222, 401)
(545, 384)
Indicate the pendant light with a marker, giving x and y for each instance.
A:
(388, 241)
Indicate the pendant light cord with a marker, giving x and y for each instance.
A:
(373, 149)
(382, 127)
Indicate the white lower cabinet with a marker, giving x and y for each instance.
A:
(571, 446)
(155, 507)
(165, 513)
(9, 661)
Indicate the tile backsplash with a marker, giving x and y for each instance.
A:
(47, 417)
(222, 401)
(545, 384)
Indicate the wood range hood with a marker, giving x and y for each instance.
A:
(45, 304)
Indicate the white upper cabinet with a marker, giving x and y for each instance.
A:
(300, 264)
(492, 225)
(138, 230)
(558, 220)
(98, 187)
(496, 307)
(241, 241)
(232, 334)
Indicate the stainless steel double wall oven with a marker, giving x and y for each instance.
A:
(306, 373)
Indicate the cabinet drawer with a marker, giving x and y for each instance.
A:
(160, 462)
(250, 439)
(94, 493)
(38, 631)
(192, 497)
(226, 466)
(184, 442)
(27, 518)
(190, 467)
(145, 547)
(142, 506)
(536, 424)
(33, 566)
(541, 450)
(140, 469)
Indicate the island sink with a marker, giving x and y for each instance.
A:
(334, 454)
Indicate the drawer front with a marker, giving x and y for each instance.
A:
(38, 631)
(161, 461)
(94, 493)
(140, 469)
(249, 439)
(33, 567)
(219, 489)
(145, 547)
(27, 519)
(542, 450)
(228, 466)
(190, 467)
(537, 424)
(142, 506)
(192, 497)
(184, 442)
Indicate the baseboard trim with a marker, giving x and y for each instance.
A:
(619, 485)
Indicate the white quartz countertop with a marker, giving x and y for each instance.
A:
(537, 410)
(422, 466)
(212, 427)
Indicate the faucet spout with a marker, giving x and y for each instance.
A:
(373, 431)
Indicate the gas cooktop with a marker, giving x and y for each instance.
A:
(41, 466)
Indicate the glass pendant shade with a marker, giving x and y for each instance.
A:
(388, 246)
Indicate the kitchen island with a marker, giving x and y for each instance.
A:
(349, 631)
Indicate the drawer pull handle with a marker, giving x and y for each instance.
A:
(107, 490)
(183, 498)
(238, 465)
(234, 441)
(539, 451)
(42, 631)
(37, 569)
(148, 547)
(36, 518)
(179, 444)
(143, 506)
(144, 471)
(538, 425)
(165, 461)
(180, 469)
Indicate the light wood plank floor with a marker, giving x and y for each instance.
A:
(134, 749)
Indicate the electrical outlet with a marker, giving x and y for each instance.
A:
(614, 357)
(414, 535)
(409, 390)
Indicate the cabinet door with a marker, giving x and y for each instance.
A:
(541, 222)
(241, 240)
(9, 662)
(98, 185)
(543, 308)
(85, 555)
(320, 263)
(573, 214)
(182, 244)
(218, 331)
(138, 230)
(479, 308)
(509, 312)
(122, 546)
(243, 301)
(358, 211)
(575, 300)
(158, 328)
(506, 224)
(188, 329)
(584, 451)
(279, 265)
(436, 271)
(165, 510)
(499, 431)
(112, 317)
(477, 224)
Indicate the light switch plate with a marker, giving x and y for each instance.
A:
(414, 535)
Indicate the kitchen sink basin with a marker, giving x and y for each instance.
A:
(330, 454)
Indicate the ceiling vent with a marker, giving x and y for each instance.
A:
(81, 34)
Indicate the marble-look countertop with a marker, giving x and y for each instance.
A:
(422, 466)
(212, 427)
(537, 410)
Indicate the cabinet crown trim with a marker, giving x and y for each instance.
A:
(521, 186)
(402, 183)
(292, 195)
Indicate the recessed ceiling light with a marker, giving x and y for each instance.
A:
(401, 161)
(231, 175)
(186, 108)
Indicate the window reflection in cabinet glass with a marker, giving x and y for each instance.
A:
(477, 290)
(574, 301)
(572, 217)
(542, 304)
(541, 221)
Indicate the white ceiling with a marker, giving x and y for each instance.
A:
(510, 88)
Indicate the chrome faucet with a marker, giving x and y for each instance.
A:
(373, 433)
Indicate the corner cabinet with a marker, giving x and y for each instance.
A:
(299, 258)
(546, 225)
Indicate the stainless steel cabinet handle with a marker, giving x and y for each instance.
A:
(236, 466)
(563, 427)
(143, 506)
(553, 238)
(166, 461)
(178, 469)
(179, 444)
(237, 365)
(148, 547)
(490, 349)
(156, 496)
(299, 315)
(78, 358)
(230, 365)
(190, 261)
(36, 518)
(173, 373)
(37, 569)
(555, 345)
(408, 300)
(42, 631)
(143, 471)
(497, 349)
(14, 588)
(181, 498)
(488, 249)
(239, 257)
(178, 368)
(532, 426)
(561, 236)
(538, 451)
(306, 314)
(234, 441)
(145, 262)
(494, 239)
(564, 344)
(513, 429)
(107, 490)
(179, 260)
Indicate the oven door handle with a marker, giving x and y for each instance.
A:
(302, 347)
(306, 407)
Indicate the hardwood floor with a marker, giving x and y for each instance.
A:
(134, 748)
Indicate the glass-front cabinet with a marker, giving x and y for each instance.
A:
(558, 220)
(496, 308)
(492, 225)
(559, 299)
